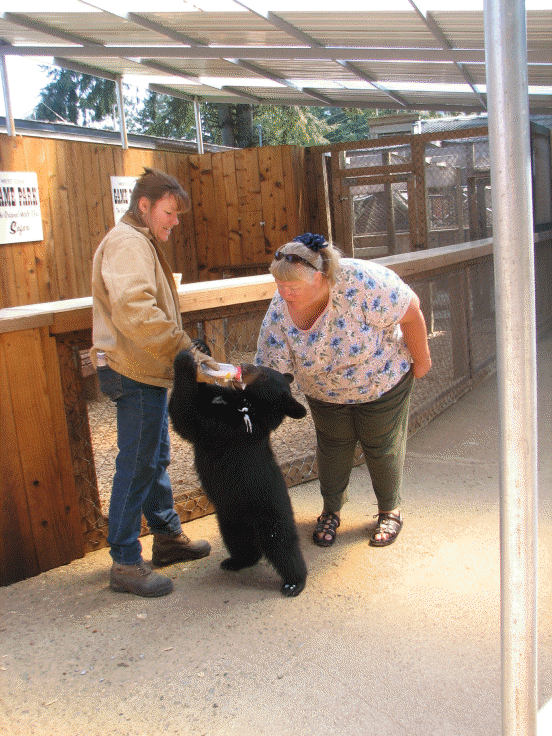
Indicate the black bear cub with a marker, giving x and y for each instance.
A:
(229, 427)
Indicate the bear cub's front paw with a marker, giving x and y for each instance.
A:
(290, 590)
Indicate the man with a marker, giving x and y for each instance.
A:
(137, 332)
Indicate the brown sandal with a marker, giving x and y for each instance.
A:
(326, 524)
(388, 524)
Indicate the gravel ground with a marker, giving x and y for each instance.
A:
(403, 640)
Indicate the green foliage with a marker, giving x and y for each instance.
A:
(83, 99)
(75, 98)
(291, 126)
(162, 116)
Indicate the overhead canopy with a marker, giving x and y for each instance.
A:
(396, 54)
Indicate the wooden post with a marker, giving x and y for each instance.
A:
(94, 521)
(390, 204)
(341, 194)
(420, 201)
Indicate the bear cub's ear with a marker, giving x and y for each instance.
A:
(288, 377)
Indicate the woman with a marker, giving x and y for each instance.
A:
(353, 335)
(137, 332)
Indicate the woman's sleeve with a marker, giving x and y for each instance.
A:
(387, 297)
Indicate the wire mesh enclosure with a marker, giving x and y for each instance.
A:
(457, 189)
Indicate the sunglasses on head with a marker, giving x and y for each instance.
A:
(292, 258)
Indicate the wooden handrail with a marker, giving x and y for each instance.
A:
(76, 314)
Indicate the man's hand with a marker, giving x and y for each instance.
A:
(202, 354)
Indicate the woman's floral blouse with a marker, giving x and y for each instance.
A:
(355, 351)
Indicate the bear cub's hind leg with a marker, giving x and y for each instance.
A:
(239, 541)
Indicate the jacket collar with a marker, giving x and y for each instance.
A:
(130, 219)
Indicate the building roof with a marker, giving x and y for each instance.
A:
(397, 56)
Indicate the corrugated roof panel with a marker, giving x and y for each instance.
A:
(17, 35)
(403, 72)
(307, 69)
(240, 28)
(394, 28)
(539, 75)
(365, 28)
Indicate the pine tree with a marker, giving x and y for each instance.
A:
(75, 98)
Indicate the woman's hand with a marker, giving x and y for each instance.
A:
(420, 368)
(413, 327)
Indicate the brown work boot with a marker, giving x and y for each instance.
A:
(139, 579)
(167, 550)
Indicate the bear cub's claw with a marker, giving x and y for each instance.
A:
(290, 590)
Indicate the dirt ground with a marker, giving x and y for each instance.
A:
(403, 640)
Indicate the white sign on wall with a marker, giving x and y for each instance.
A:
(20, 218)
(121, 189)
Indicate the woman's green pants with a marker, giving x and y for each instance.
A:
(381, 427)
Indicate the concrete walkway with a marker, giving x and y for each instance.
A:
(403, 640)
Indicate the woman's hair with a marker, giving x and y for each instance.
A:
(315, 250)
(153, 185)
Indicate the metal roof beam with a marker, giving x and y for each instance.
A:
(281, 80)
(35, 25)
(151, 25)
(312, 42)
(245, 95)
(93, 71)
(162, 30)
(282, 24)
(162, 90)
(287, 53)
(432, 25)
(166, 69)
(372, 80)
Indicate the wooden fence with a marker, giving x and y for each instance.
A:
(50, 509)
(244, 204)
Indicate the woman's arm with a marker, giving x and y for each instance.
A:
(413, 327)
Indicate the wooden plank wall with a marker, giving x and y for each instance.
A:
(245, 203)
(40, 516)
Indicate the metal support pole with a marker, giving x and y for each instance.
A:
(120, 105)
(199, 131)
(506, 62)
(10, 125)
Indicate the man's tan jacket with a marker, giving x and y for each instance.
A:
(136, 315)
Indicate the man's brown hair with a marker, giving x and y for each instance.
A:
(153, 185)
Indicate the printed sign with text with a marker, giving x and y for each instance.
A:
(20, 218)
(121, 189)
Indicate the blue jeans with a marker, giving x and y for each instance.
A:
(141, 483)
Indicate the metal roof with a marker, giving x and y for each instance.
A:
(400, 56)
